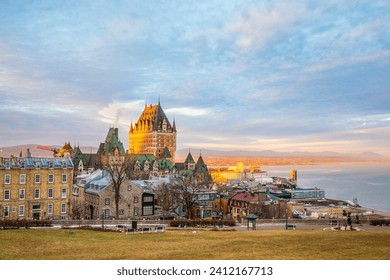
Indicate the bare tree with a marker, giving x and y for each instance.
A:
(165, 198)
(187, 187)
(118, 168)
(185, 190)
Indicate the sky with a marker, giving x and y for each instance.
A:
(234, 75)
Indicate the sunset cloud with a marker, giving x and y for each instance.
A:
(261, 75)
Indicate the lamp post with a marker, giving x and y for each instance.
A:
(286, 219)
(102, 219)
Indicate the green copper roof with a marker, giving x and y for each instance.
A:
(189, 159)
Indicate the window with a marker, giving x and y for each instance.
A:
(36, 208)
(63, 207)
(106, 201)
(50, 178)
(37, 193)
(129, 187)
(121, 212)
(50, 193)
(21, 210)
(37, 178)
(7, 179)
(75, 190)
(6, 211)
(7, 194)
(21, 194)
(135, 199)
(63, 193)
(147, 210)
(135, 211)
(106, 213)
(64, 178)
(148, 198)
(50, 209)
(22, 179)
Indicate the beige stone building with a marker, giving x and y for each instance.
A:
(136, 200)
(35, 188)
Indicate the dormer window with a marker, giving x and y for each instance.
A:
(64, 165)
(146, 165)
(81, 166)
(22, 164)
(37, 164)
(7, 165)
(51, 164)
(137, 166)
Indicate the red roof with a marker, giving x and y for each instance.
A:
(247, 197)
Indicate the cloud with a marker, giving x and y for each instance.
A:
(121, 113)
(363, 123)
(188, 111)
(125, 28)
(333, 63)
(256, 27)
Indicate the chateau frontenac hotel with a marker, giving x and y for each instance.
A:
(153, 134)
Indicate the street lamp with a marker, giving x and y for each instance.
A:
(102, 219)
(286, 219)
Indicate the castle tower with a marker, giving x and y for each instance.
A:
(152, 133)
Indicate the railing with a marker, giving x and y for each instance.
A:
(107, 222)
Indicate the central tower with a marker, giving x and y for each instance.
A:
(153, 134)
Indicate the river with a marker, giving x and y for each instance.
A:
(369, 183)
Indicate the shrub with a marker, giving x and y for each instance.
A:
(380, 222)
(15, 224)
(90, 228)
(197, 223)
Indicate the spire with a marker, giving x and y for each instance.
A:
(189, 158)
(174, 125)
(131, 127)
(200, 163)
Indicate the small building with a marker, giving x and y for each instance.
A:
(135, 201)
(241, 203)
(204, 206)
(299, 193)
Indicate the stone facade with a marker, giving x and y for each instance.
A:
(134, 203)
(36, 188)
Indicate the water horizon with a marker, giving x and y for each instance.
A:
(366, 182)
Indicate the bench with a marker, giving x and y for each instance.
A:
(291, 226)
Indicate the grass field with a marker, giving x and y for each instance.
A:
(202, 245)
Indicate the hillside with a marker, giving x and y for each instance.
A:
(228, 158)
(259, 158)
(36, 152)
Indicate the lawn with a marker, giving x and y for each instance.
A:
(200, 245)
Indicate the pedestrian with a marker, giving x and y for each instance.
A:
(349, 220)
